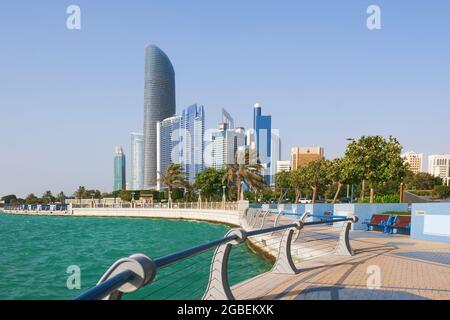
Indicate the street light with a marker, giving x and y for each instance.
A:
(350, 140)
(224, 199)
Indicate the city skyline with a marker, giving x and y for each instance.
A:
(335, 68)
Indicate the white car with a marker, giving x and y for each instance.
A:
(305, 201)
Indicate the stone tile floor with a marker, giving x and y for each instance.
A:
(408, 270)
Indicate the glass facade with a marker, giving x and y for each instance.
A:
(159, 104)
(119, 170)
(193, 122)
(137, 161)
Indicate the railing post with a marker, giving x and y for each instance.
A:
(284, 263)
(218, 287)
(344, 247)
(141, 265)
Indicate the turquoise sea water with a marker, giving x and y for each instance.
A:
(35, 253)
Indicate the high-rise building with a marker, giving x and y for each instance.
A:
(267, 144)
(168, 144)
(222, 145)
(159, 104)
(439, 166)
(227, 119)
(180, 139)
(119, 170)
(415, 161)
(303, 156)
(193, 124)
(137, 161)
(283, 166)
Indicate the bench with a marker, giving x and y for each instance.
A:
(377, 221)
(402, 223)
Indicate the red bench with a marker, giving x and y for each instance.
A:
(377, 220)
(401, 223)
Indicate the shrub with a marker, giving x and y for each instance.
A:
(441, 192)
(399, 213)
(423, 193)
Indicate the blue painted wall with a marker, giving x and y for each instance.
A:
(365, 211)
(431, 221)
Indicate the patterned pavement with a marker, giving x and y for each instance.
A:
(408, 270)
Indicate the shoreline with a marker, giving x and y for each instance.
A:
(230, 219)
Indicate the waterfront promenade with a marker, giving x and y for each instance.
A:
(409, 270)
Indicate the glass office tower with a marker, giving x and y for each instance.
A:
(159, 104)
(137, 161)
(119, 170)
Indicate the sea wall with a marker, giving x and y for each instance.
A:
(209, 215)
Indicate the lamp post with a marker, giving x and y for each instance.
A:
(350, 140)
(132, 199)
(224, 197)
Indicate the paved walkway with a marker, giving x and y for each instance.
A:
(409, 269)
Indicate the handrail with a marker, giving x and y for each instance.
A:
(109, 286)
(103, 289)
(184, 254)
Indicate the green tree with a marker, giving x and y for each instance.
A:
(209, 181)
(282, 184)
(298, 182)
(174, 177)
(421, 181)
(80, 193)
(336, 174)
(47, 197)
(317, 176)
(32, 199)
(249, 173)
(61, 197)
(375, 160)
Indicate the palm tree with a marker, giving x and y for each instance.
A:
(236, 174)
(81, 191)
(174, 177)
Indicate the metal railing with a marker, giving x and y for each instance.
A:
(161, 205)
(137, 271)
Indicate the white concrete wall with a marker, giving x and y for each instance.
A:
(221, 216)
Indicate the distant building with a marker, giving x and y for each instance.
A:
(283, 166)
(267, 143)
(137, 161)
(227, 119)
(168, 145)
(180, 139)
(439, 166)
(193, 123)
(159, 104)
(222, 145)
(119, 170)
(415, 161)
(302, 156)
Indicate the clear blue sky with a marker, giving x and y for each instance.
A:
(68, 97)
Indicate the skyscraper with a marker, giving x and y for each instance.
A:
(159, 104)
(180, 139)
(267, 144)
(193, 122)
(222, 145)
(137, 161)
(119, 170)
(168, 145)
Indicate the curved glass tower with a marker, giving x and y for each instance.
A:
(159, 104)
